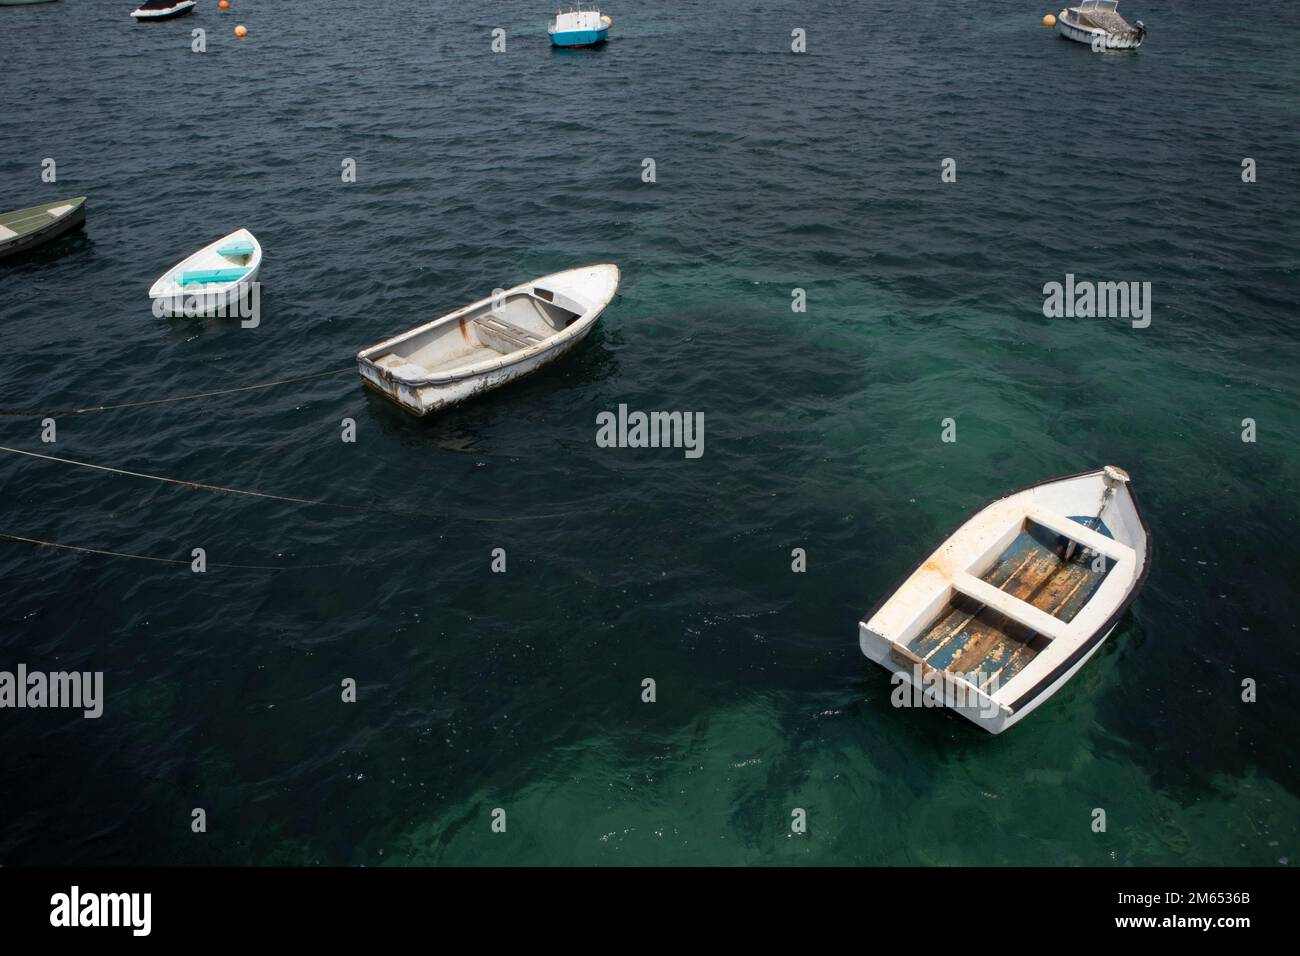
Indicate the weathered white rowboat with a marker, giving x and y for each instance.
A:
(489, 342)
(1098, 24)
(212, 280)
(1016, 600)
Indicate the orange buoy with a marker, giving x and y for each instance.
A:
(241, 31)
(1048, 21)
(224, 4)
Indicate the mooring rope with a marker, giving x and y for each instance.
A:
(145, 557)
(308, 502)
(90, 409)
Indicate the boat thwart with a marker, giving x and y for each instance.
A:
(489, 342)
(1017, 599)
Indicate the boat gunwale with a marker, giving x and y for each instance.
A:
(579, 327)
(1085, 643)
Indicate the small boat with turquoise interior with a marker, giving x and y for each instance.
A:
(211, 280)
(1016, 600)
(1098, 24)
(579, 27)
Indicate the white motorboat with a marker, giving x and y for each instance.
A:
(152, 10)
(1098, 24)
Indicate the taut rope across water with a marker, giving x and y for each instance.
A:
(5, 536)
(307, 502)
(90, 409)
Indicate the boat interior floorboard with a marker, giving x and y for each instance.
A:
(968, 636)
(1033, 568)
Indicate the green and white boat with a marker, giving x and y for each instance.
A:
(25, 229)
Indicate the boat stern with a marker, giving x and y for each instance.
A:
(914, 684)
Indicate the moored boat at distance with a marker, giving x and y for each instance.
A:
(489, 342)
(1017, 599)
(211, 280)
(152, 10)
(579, 27)
(25, 229)
(1098, 24)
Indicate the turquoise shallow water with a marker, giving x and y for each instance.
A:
(522, 690)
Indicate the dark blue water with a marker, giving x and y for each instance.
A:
(522, 690)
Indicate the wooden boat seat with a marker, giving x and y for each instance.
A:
(514, 334)
(1022, 612)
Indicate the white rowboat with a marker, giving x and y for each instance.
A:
(489, 342)
(1016, 600)
(212, 280)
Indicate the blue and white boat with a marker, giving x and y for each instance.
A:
(579, 27)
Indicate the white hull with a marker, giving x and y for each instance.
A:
(423, 399)
(172, 298)
(1095, 35)
(223, 303)
(178, 9)
(489, 342)
(1015, 601)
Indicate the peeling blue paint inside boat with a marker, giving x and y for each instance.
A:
(1090, 521)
